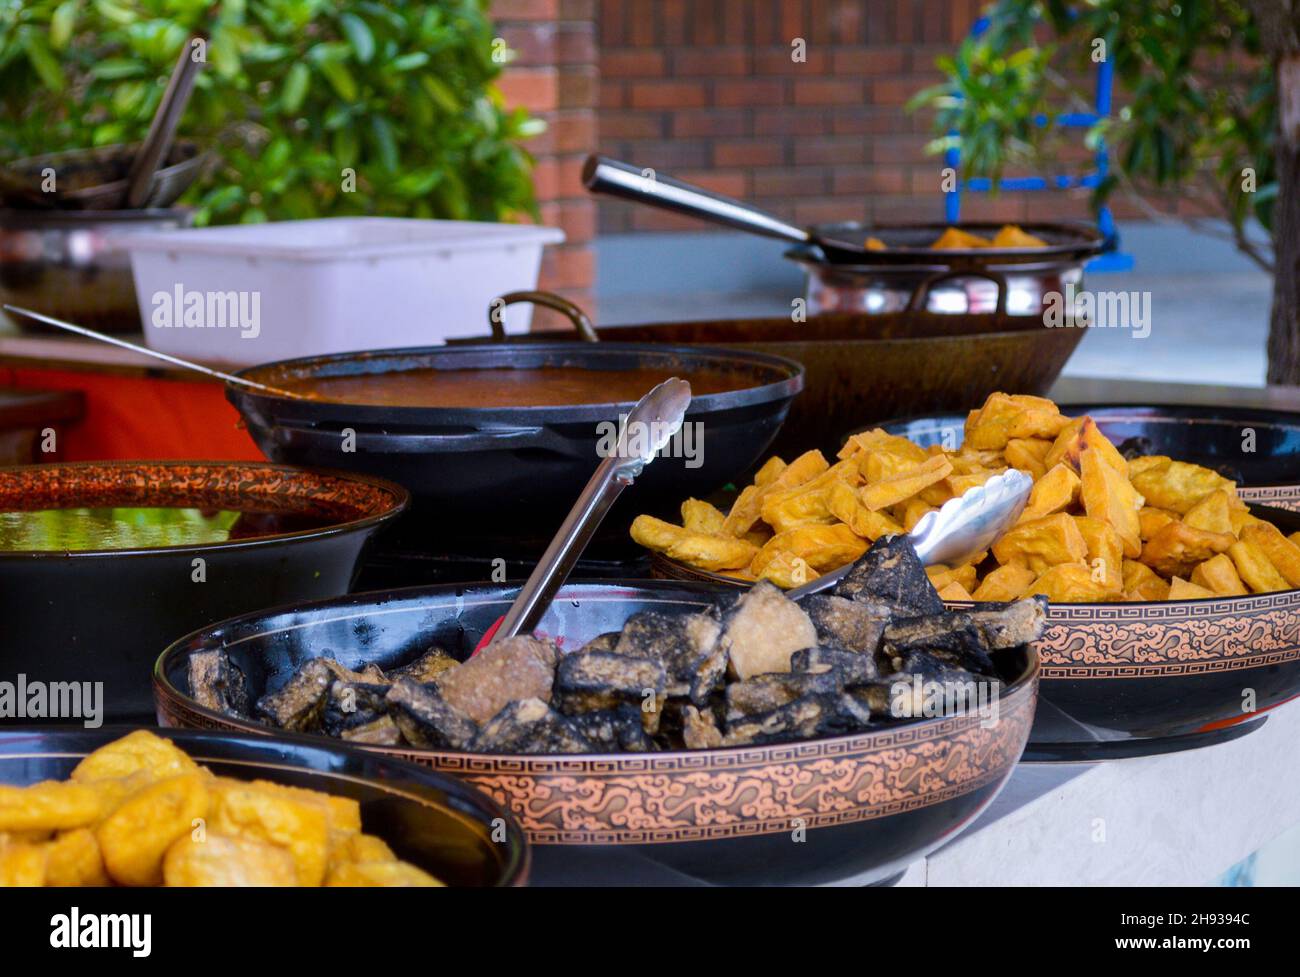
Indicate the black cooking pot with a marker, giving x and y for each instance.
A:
(512, 473)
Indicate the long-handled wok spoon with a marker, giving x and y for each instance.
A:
(649, 426)
(146, 351)
(957, 531)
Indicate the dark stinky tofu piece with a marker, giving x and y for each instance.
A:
(950, 637)
(370, 673)
(614, 730)
(300, 702)
(427, 667)
(763, 693)
(855, 625)
(531, 726)
(850, 667)
(586, 681)
(762, 629)
(603, 642)
(216, 683)
(378, 732)
(350, 704)
(828, 714)
(890, 573)
(699, 730)
(935, 691)
(427, 719)
(505, 671)
(1012, 624)
(685, 644)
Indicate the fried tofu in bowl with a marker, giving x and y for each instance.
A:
(141, 807)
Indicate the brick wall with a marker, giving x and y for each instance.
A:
(707, 91)
(555, 77)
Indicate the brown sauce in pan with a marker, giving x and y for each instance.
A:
(551, 386)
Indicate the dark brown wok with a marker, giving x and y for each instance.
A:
(860, 368)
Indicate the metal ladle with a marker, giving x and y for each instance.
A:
(146, 351)
(660, 413)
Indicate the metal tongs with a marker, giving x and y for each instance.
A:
(960, 529)
(659, 414)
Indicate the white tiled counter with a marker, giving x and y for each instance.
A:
(1178, 819)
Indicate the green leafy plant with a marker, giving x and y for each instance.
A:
(1198, 84)
(312, 107)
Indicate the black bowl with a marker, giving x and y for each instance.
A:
(102, 616)
(432, 821)
(1251, 446)
(497, 473)
(870, 803)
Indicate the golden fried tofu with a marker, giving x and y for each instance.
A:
(1143, 583)
(955, 239)
(377, 874)
(1177, 485)
(1255, 568)
(135, 837)
(342, 813)
(301, 827)
(697, 549)
(821, 547)
(133, 753)
(1105, 551)
(48, 806)
(1011, 236)
(1042, 543)
(1053, 492)
(843, 503)
(787, 570)
(1180, 589)
(354, 846)
(954, 591)
(1178, 547)
(73, 859)
(748, 507)
(1151, 520)
(1009, 582)
(1073, 583)
(913, 512)
(771, 468)
(807, 503)
(1219, 574)
(1212, 513)
(907, 483)
(940, 575)
(1079, 435)
(1107, 495)
(702, 517)
(1004, 417)
(1281, 552)
(22, 865)
(218, 860)
(1025, 455)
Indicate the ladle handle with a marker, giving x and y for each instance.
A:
(645, 186)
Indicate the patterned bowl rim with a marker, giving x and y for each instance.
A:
(387, 500)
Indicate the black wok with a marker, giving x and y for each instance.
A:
(508, 475)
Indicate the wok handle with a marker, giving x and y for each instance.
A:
(920, 298)
(570, 310)
(601, 174)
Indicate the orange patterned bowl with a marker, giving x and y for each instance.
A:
(860, 806)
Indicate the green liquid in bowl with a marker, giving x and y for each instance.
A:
(70, 530)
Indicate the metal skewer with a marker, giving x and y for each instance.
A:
(165, 357)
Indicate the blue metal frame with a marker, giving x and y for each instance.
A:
(1113, 259)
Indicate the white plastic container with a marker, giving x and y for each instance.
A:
(253, 293)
